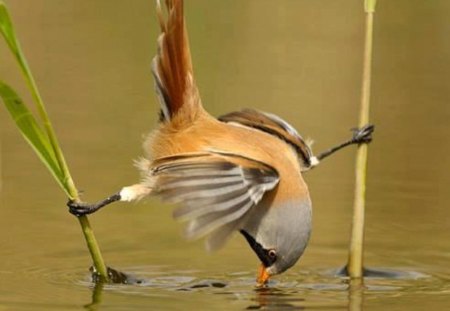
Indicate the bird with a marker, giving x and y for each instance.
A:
(241, 172)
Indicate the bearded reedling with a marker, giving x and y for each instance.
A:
(240, 172)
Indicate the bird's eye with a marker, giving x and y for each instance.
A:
(272, 253)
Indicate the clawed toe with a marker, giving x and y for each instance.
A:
(79, 208)
(363, 135)
(82, 208)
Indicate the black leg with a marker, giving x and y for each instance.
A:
(82, 208)
(360, 136)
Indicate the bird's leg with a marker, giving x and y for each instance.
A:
(130, 193)
(82, 208)
(360, 136)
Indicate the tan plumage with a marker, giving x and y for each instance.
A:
(189, 141)
(241, 172)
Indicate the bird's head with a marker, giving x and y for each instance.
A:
(279, 236)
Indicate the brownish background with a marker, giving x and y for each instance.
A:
(298, 59)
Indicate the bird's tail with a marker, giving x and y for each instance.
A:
(172, 66)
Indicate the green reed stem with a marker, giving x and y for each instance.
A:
(67, 183)
(355, 260)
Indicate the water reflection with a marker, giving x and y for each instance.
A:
(97, 295)
(356, 295)
(312, 290)
(270, 298)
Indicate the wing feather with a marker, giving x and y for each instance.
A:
(215, 191)
(189, 194)
(208, 223)
(204, 205)
(273, 125)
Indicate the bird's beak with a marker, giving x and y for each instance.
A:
(262, 277)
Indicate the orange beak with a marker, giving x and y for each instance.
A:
(262, 277)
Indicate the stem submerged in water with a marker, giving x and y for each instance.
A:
(94, 250)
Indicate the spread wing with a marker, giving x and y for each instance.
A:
(215, 191)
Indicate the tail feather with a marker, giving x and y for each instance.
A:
(172, 66)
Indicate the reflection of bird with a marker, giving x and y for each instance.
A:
(240, 172)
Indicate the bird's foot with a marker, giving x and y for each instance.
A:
(81, 208)
(363, 135)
